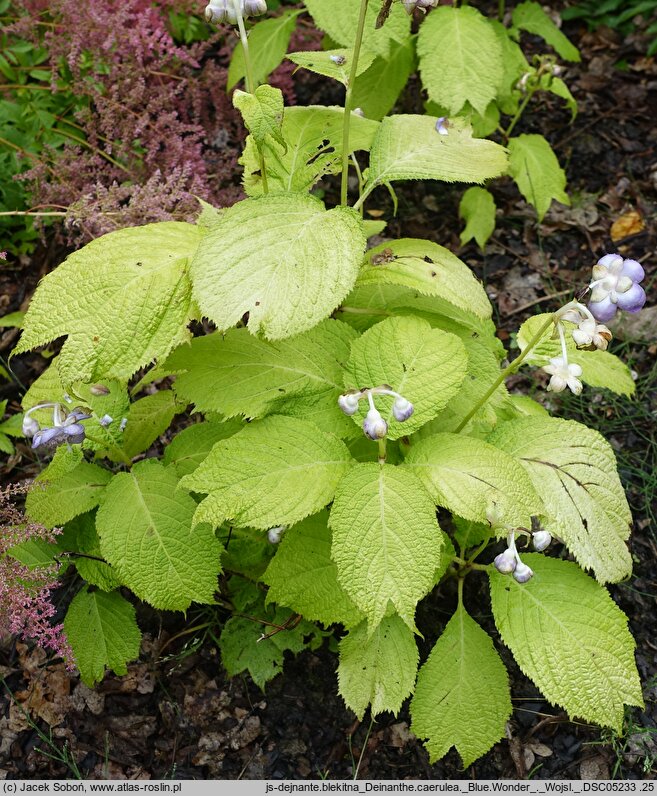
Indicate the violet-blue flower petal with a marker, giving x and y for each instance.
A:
(634, 270)
(47, 437)
(74, 433)
(632, 300)
(604, 310)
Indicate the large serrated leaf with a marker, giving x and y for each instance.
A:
(468, 476)
(313, 138)
(188, 448)
(149, 417)
(312, 260)
(531, 17)
(573, 468)
(536, 170)
(599, 368)
(462, 694)
(386, 540)
(262, 112)
(377, 669)
(122, 301)
(303, 576)
(102, 630)
(428, 268)
(146, 534)
(276, 471)
(570, 638)
(424, 365)
(377, 89)
(460, 58)
(332, 63)
(408, 147)
(238, 374)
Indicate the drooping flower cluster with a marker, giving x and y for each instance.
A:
(66, 426)
(508, 562)
(25, 600)
(374, 425)
(615, 286)
(422, 5)
(218, 11)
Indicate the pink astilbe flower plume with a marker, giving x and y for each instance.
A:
(26, 609)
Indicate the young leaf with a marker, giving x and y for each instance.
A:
(376, 90)
(377, 668)
(268, 42)
(462, 694)
(123, 300)
(276, 471)
(477, 209)
(573, 469)
(190, 447)
(428, 268)
(386, 540)
(55, 498)
(339, 18)
(570, 638)
(303, 577)
(536, 170)
(102, 630)
(460, 59)
(556, 86)
(408, 147)
(530, 16)
(313, 136)
(599, 368)
(469, 476)
(238, 374)
(515, 66)
(313, 257)
(424, 365)
(332, 63)
(262, 113)
(149, 417)
(145, 529)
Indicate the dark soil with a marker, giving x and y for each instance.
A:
(175, 714)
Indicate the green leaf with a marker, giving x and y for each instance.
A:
(556, 86)
(477, 209)
(339, 18)
(238, 374)
(332, 63)
(424, 365)
(530, 16)
(376, 90)
(262, 113)
(515, 66)
(469, 476)
(314, 148)
(13, 319)
(80, 537)
(460, 59)
(248, 552)
(276, 471)
(408, 147)
(536, 170)
(122, 301)
(145, 529)
(570, 638)
(386, 540)
(102, 630)
(268, 42)
(190, 447)
(303, 577)
(573, 468)
(55, 498)
(6, 445)
(35, 553)
(149, 417)
(469, 534)
(599, 368)
(428, 268)
(462, 694)
(377, 668)
(313, 257)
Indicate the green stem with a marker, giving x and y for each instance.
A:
(382, 451)
(508, 370)
(519, 113)
(348, 101)
(368, 190)
(501, 8)
(250, 82)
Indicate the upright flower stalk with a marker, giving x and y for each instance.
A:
(348, 101)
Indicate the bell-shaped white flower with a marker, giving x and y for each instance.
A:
(254, 8)
(522, 572)
(30, 426)
(564, 375)
(541, 540)
(505, 563)
(374, 425)
(402, 409)
(349, 402)
(590, 334)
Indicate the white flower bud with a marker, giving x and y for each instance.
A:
(505, 562)
(402, 409)
(374, 425)
(99, 389)
(274, 534)
(442, 125)
(564, 375)
(254, 8)
(30, 426)
(523, 573)
(339, 60)
(349, 403)
(106, 420)
(541, 540)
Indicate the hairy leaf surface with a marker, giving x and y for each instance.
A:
(190, 447)
(262, 112)
(149, 417)
(462, 694)
(376, 90)
(536, 170)
(477, 209)
(573, 468)
(332, 63)
(570, 638)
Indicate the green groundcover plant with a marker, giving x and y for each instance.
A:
(339, 396)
